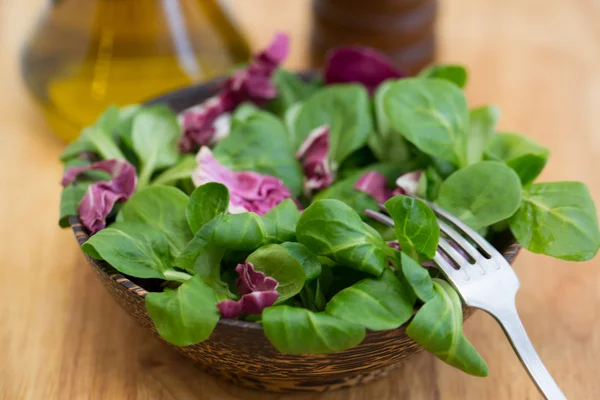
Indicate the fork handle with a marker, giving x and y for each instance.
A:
(515, 331)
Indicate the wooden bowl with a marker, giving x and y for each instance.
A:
(239, 352)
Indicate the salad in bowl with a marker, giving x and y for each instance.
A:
(251, 205)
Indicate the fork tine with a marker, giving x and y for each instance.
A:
(454, 255)
(377, 216)
(466, 230)
(459, 240)
(447, 269)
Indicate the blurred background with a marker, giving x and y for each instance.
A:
(62, 61)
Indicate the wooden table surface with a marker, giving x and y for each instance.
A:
(63, 337)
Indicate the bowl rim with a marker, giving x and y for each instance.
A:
(201, 92)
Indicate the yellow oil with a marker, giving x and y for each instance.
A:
(85, 55)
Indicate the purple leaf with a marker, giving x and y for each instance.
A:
(361, 65)
(100, 197)
(230, 308)
(273, 55)
(374, 184)
(113, 167)
(394, 244)
(251, 280)
(96, 204)
(408, 183)
(253, 84)
(258, 292)
(314, 154)
(204, 125)
(249, 191)
(255, 302)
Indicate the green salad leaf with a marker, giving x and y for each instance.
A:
(275, 261)
(331, 228)
(186, 315)
(281, 222)
(429, 185)
(299, 331)
(432, 114)
(182, 170)
(456, 74)
(134, 249)
(154, 137)
(482, 127)
(558, 219)
(248, 231)
(312, 295)
(417, 277)
(206, 202)
(291, 89)
(375, 303)
(346, 109)
(70, 198)
(193, 256)
(386, 143)
(208, 266)
(244, 111)
(437, 327)
(522, 154)
(164, 209)
(244, 232)
(125, 126)
(262, 144)
(307, 259)
(481, 194)
(415, 225)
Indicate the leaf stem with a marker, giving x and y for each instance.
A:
(105, 146)
(170, 176)
(144, 176)
(178, 276)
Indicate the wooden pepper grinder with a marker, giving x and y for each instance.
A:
(402, 29)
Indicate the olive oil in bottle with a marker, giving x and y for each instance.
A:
(85, 55)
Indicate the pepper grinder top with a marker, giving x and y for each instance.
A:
(402, 29)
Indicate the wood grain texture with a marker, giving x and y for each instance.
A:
(64, 338)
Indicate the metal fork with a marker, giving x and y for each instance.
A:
(485, 281)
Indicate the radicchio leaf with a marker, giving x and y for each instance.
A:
(202, 126)
(394, 244)
(258, 292)
(248, 190)
(100, 197)
(252, 281)
(255, 302)
(113, 167)
(314, 154)
(230, 308)
(374, 184)
(408, 183)
(359, 64)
